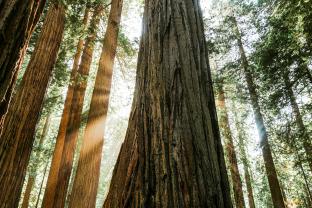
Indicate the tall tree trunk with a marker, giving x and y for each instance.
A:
(19, 125)
(92, 143)
(275, 189)
(17, 21)
(74, 120)
(244, 157)
(172, 154)
(230, 149)
(33, 173)
(57, 154)
(302, 129)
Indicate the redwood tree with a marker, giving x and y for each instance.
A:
(172, 154)
(57, 154)
(17, 137)
(85, 184)
(230, 148)
(17, 21)
(274, 185)
(58, 197)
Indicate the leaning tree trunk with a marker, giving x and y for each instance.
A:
(92, 143)
(242, 149)
(302, 129)
(229, 148)
(57, 154)
(74, 120)
(19, 125)
(33, 172)
(275, 189)
(17, 21)
(172, 154)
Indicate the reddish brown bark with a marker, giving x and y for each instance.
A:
(72, 130)
(18, 19)
(172, 154)
(275, 189)
(92, 143)
(57, 154)
(19, 125)
(229, 148)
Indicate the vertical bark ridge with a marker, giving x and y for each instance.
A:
(171, 154)
(18, 19)
(19, 125)
(86, 184)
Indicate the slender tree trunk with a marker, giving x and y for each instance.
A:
(33, 173)
(302, 129)
(57, 154)
(230, 149)
(172, 154)
(19, 126)
(242, 148)
(74, 120)
(18, 19)
(41, 184)
(92, 143)
(275, 189)
(243, 153)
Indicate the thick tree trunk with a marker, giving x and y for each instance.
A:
(230, 149)
(74, 120)
(244, 157)
(172, 154)
(19, 125)
(92, 143)
(18, 19)
(57, 154)
(33, 173)
(301, 127)
(275, 189)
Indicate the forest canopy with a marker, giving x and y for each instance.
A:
(156, 103)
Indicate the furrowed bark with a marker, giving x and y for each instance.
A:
(57, 154)
(230, 149)
(275, 189)
(17, 138)
(172, 154)
(72, 130)
(18, 19)
(85, 184)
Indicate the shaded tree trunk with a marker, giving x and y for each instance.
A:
(57, 154)
(92, 143)
(33, 173)
(19, 125)
(74, 120)
(172, 154)
(230, 149)
(17, 21)
(298, 118)
(275, 189)
(244, 157)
